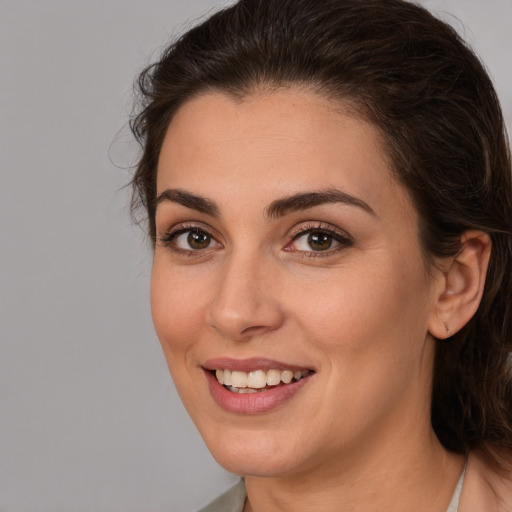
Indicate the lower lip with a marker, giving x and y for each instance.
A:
(253, 403)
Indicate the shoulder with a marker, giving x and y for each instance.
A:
(485, 489)
(233, 500)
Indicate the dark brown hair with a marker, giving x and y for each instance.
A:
(413, 77)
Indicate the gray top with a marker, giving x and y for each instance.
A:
(234, 499)
(454, 503)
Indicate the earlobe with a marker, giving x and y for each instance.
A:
(461, 285)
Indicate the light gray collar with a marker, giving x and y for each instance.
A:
(454, 503)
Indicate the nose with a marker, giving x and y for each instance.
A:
(245, 303)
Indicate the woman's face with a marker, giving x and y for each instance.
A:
(285, 245)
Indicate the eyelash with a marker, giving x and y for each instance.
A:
(169, 239)
(342, 238)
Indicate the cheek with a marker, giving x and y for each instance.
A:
(369, 315)
(371, 328)
(176, 308)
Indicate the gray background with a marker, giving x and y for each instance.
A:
(89, 418)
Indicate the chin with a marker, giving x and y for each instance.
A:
(248, 465)
(255, 454)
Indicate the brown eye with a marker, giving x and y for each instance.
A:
(319, 241)
(190, 239)
(198, 239)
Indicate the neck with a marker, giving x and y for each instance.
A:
(412, 473)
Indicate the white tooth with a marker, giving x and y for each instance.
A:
(220, 376)
(246, 391)
(227, 377)
(297, 375)
(239, 379)
(287, 376)
(257, 379)
(273, 377)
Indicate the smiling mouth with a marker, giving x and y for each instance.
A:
(258, 380)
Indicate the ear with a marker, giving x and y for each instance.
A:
(460, 287)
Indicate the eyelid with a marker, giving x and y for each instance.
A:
(341, 236)
(168, 237)
(324, 227)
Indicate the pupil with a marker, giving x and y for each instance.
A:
(198, 240)
(319, 241)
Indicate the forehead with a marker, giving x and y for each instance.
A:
(280, 143)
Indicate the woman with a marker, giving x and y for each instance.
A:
(328, 190)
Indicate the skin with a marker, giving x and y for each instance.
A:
(360, 314)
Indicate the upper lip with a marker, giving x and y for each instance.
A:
(250, 364)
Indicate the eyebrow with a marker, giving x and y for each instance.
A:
(306, 200)
(276, 209)
(193, 201)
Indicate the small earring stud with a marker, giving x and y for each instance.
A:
(448, 332)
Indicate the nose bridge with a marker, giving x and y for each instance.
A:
(244, 304)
